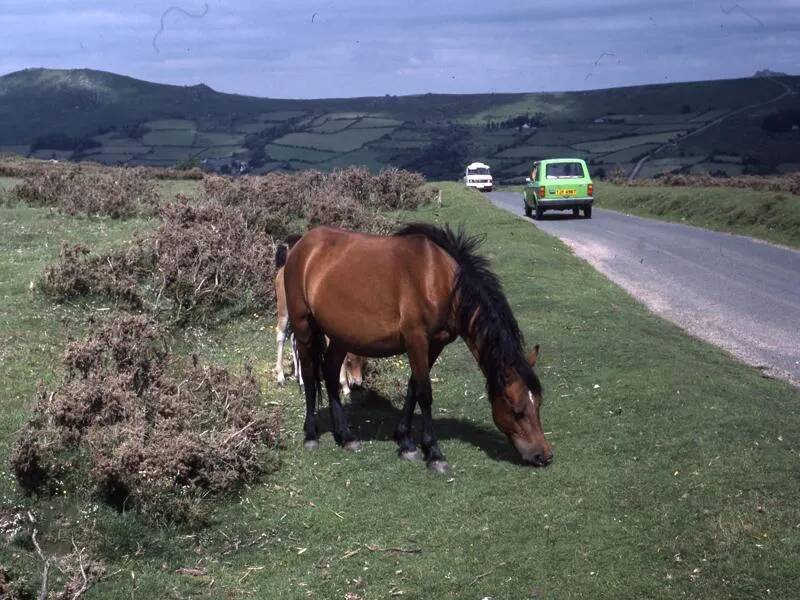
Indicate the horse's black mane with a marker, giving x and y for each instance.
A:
(483, 312)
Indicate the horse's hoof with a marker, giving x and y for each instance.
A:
(311, 444)
(281, 379)
(411, 455)
(353, 446)
(439, 466)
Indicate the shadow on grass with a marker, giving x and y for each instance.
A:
(373, 417)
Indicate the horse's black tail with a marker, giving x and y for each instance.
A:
(319, 347)
(282, 251)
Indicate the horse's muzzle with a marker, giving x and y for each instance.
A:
(539, 459)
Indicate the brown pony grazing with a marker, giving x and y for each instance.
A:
(413, 292)
(352, 371)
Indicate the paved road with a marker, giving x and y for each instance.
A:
(734, 291)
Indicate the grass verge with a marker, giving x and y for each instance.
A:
(675, 471)
(770, 216)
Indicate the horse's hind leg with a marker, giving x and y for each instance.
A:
(334, 358)
(295, 360)
(308, 354)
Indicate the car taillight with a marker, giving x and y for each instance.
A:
(590, 190)
(541, 192)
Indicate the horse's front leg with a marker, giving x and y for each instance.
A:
(406, 448)
(421, 358)
(334, 359)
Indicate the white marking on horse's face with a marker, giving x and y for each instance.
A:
(530, 397)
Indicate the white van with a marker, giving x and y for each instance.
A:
(478, 176)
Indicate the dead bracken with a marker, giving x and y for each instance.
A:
(141, 429)
(213, 259)
(120, 193)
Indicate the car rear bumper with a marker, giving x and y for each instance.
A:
(566, 203)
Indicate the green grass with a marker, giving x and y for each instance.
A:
(675, 472)
(169, 137)
(770, 216)
(205, 138)
(627, 142)
(171, 124)
(346, 140)
(278, 152)
(332, 125)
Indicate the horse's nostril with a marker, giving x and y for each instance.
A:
(541, 460)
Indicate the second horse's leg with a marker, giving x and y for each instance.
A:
(334, 358)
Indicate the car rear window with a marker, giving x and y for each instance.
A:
(565, 170)
(481, 171)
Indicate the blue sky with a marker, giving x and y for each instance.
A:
(339, 48)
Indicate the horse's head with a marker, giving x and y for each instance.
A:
(354, 369)
(515, 411)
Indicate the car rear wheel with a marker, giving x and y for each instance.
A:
(528, 211)
(587, 212)
(539, 213)
(576, 212)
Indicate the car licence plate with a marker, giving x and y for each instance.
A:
(565, 192)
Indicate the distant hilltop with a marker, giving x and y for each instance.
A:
(770, 73)
(692, 127)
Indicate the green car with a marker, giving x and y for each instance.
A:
(559, 184)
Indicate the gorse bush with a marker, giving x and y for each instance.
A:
(17, 166)
(211, 260)
(142, 430)
(204, 263)
(789, 183)
(120, 193)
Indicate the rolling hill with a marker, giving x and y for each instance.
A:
(729, 126)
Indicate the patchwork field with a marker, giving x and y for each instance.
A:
(610, 128)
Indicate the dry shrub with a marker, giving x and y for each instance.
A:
(345, 212)
(116, 276)
(789, 183)
(210, 260)
(203, 264)
(195, 173)
(9, 590)
(18, 166)
(279, 201)
(141, 429)
(210, 257)
(121, 193)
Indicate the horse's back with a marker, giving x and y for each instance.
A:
(364, 287)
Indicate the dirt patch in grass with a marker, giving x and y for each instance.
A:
(139, 428)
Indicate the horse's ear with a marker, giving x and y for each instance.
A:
(533, 356)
